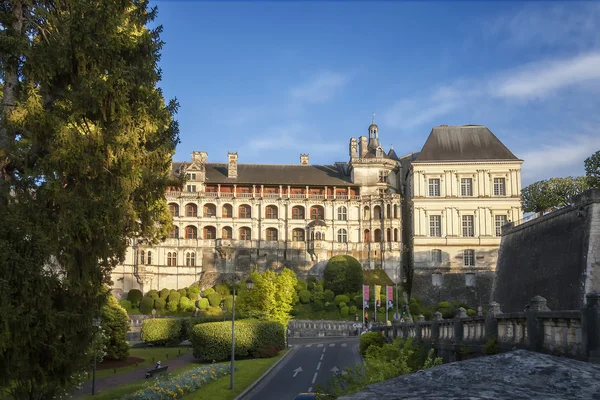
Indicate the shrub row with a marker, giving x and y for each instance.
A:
(166, 330)
(212, 341)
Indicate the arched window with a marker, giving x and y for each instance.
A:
(377, 238)
(174, 234)
(171, 259)
(317, 212)
(142, 257)
(210, 210)
(342, 213)
(318, 236)
(227, 211)
(245, 233)
(271, 234)
(395, 211)
(389, 234)
(298, 235)
(297, 212)
(226, 233)
(342, 236)
(395, 234)
(191, 232)
(271, 212)
(367, 236)
(149, 257)
(377, 212)
(367, 213)
(191, 210)
(389, 211)
(245, 211)
(174, 209)
(209, 232)
(312, 235)
(190, 259)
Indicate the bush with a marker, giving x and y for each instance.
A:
(214, 299)
(223, 289)
(182, 293)
(328, 295)
(317, 306)
(186, 304)
(164, 293)
(162, 330)
(304, 296)
(213, 312)
(266, 351)
(115, 323)
(228, 303)
(172, 305)
(300, 286)
(159, 304)
(146, 305)
(212, 341)
(370, 339)
(471, 312)
(203, 304)
(153, 294)
(344, 311)
(209, 291)
(428, 314)
(192, 292)
(342, 305)
(311, 285)
(341, 298)
(173, 296)
(447, 313)
(358, 299)
(126, 304)
(134, 296)
(353, 310)
(415, 310)
(444, 304)
(330, 307)
(343, 274)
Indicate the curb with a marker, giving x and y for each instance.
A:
(256, 382)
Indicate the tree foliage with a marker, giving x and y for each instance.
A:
(592, 170)
(86, 141)
(552, 193)
(115, 322)
(343, 274)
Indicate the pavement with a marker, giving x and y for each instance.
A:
(311, 361)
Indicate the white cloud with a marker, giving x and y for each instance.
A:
(408, 113)
(292, 137)
(321, 88)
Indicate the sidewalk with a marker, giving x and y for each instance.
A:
(131, 376)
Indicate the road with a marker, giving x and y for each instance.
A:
(311, 362)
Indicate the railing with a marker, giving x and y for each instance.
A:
(301, 328)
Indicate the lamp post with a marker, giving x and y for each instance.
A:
(96, 324)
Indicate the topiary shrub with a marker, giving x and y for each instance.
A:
(192, 292)
(212, 341)
(358, 299)
(330, 307)
(266, 351)
(444, 304)
(203, 304)
(164, 293)
(328, 295)
(471, 312)
(223, 289)
(428, 314)
(344, 311)
(162, 330)
(301, 285)
(209, 291)
(213, 312)
(214, 299)
(370, 339)
(310, 285)
(152, 294)
(343, 274)
(342, 305)
(447, 313)
(185, 304)
(182, 293)
(115, 323)
(317, 306)
(415, 310)
(173, 296)
(146, 305)
(172, 305)
(228, 303)
(353, 310)
(160, 304)
(134, 296)
(341, 298)
(126, 304)
(304, 296)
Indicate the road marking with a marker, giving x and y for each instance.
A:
(324, 349)
(332, 345)
(320, 345)
(307, 345)
(334, 369)
(321, 357)
(344, 344)
(310, 389)
(318, 365)
(299, 369)
(314, 378)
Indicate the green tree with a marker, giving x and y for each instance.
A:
(545, 195)
(343, 274)
(86, 142)
(592, 170)
(115, 323)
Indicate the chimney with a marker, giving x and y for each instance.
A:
(303, 159)
(363, 145)
(199, 157)
(232, 164)
(353, 148)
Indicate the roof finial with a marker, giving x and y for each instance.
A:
(391, 147)
(373, 120)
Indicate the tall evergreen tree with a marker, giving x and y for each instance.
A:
(86, 141)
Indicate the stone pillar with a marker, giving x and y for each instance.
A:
(535, 331)
(591, 327)
(435, 326)
(491, 324)
(458, 328)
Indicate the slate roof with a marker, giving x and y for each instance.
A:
(271, 174)
(392, 154)
(463, 143)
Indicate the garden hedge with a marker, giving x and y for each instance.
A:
(146, 305)
(134, 296)
(162, 330)
(212, 341)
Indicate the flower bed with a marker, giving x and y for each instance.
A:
(176, 386)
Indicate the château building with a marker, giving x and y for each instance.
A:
(460, 189)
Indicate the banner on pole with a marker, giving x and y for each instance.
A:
(366, 296)
(378, 296)
(390, 296)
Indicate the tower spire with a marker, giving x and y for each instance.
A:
(373, 120)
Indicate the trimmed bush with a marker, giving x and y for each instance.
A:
(266, 351)
(370, 339)
(172, 305)
(182, 293)
(353, 310)
(214, 299)
(471, 312)
(311, 285)
(223, 289)
(188, 323)
(160, 304)
(146, 305)
(192, 292)
(300, 286)
(317, 306)
(415, 310)
(304, 296)
(212, 341)
(153, 294)
(344, 311)
(134, 296)
(173, 296)
(164, 293)
(228, 302)
(115, 323)
(330, 307)
(358, 299)
(341, 298)
(444, 304)
(186, 304)
(208, 292)
(342, 305)
(343, 274)
(328, 295)
(126, 304)
(447, 313)
(203, 304)
(162, 330)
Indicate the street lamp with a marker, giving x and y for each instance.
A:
(96, 324)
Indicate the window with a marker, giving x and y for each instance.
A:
(171, 259)
(436, 279)
(383, 175)
(191, 210)
(297, 212)
(381, 192)
(378, 237)
(174, 234)
(149, 257)
(436, 255)
(191, 188)
(245, 211)
(435, 225)
(388, 211)
(191, 176)
(318, 236)
(389, 234)
(499, 187)
(210, 210)
(395, 211)
(342, 236)
(298, 235)
(467, 226)
(342, 213)
(174, 209)
(191, 232)
(316, 212)
(367, 236)
(227, 211)
(466, 187)
(377, 214)
(226, 233)
(244, 234)
(469, 258)
(470, 279)
(142, 257)
(209, 232)
(271, 234)
(434, 187)
(367, 213)
(395, 234)
(501, 220)
(271, 212)
(190, 259)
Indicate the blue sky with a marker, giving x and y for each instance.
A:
(271, 80)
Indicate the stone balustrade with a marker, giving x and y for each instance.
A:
(300, 328)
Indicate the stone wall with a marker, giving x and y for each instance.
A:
(453, 287)
(556, 256)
